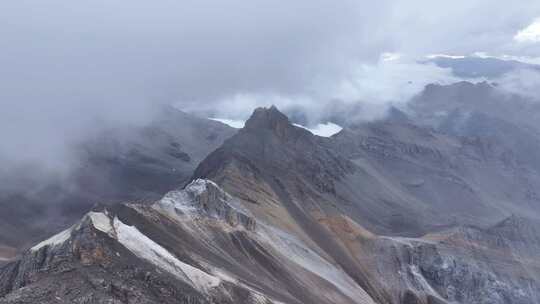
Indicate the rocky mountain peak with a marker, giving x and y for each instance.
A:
(270, 119)
(271, 146)
(203, 199)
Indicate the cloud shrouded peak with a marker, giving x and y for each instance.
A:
(69, 67)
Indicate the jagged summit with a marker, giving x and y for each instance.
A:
(204, 199)
(270, 118)
(272, 121)
(271, 146)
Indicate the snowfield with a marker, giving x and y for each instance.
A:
(147, 249)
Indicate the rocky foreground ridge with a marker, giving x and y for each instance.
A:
(198, 245)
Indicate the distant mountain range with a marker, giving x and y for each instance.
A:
(475, 67)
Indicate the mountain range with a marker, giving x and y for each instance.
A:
(437, 203)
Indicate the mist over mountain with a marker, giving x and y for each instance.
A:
(382, 212)
(436, 196)
(488, 67)
(71, 68)
(322, 152)
(118, 164)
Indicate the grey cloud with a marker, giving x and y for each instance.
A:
(69, 67)
(524, 82)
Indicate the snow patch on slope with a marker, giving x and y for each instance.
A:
(145, 248)
(406, 241)
(101, 222)
(179, 202)
(55, 240)
(238, 124)
(323, 129)
(198, 186)
(183, 204)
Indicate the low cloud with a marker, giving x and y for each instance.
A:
(69, 68)
(530, 34)
(364, 93)
(522, 82)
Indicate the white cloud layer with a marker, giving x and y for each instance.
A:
(392, 80)
(529, 34)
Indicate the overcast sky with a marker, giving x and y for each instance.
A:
(65, 63)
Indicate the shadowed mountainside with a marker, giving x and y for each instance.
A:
(116, 165)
